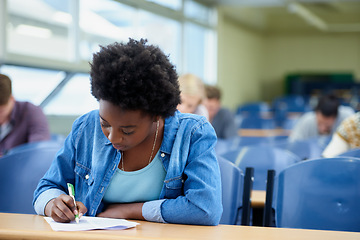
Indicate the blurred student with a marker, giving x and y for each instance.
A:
(192, 95)
(346, 137)
(136, 157)
(221, 118)
(20, 122)
(323, 121)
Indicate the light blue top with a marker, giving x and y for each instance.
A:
(136, 186)
(191, 191)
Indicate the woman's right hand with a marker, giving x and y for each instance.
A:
(62, 209)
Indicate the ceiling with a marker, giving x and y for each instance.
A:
(272, 16)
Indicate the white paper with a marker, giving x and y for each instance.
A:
(91, 223)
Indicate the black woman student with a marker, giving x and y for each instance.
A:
(136, 157)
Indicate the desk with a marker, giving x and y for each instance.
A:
(258, 198)
(263, 132)
(22, 226)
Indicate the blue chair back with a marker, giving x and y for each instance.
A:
(288, 105)
(261, 158)
(319, 194)
(253, 108)
(256, 122)
(355, 152)
(291, 103)
(20, 172)
(311, 148)
(232, 180)
(227, 145)
(36, 145)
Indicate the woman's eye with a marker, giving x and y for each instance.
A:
(128, 133)
(105, 125)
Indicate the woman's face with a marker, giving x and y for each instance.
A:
(188, 103)
(124, 129)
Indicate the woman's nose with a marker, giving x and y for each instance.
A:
(115, 137)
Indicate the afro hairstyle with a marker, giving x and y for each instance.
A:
(135, 76)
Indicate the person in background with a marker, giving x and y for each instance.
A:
(323, 121)
(346, 137)
(20, 122)
(192, 95)
(221, 118)
(136, 157)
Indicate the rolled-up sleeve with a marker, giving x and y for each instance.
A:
(44, 198)
(151, 211)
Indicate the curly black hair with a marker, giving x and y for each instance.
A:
(135, 76)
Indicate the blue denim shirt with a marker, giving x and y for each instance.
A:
(191, 193)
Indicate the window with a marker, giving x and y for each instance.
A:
(39, 28)
(103, 22)
(173, 4)
(64, 34)
(198, 12)
(200, 55)
(165, 33)
(32, 84)
(74, 99)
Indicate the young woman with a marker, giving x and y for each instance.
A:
(136, 157)
(192, 95)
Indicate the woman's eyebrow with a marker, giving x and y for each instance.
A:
(102, 118)
(127, 126)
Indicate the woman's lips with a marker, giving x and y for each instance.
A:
(119, 147)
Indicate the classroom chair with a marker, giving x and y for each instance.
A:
(355, 152)
(253, 109)
(308, 148)
(256, 122)
(236, 190)
(261, 158)
(20, 172)
(318, 194)
(290, 105)
(226, 145)
(33, 145)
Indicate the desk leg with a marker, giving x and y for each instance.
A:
(257, 216)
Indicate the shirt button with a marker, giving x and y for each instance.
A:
(162, 154)
(87, 176)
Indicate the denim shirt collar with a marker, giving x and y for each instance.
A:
(171, 126)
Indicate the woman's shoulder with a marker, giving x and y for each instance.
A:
(187, 122)
(90, 116)
(188, 118)
(86, 119)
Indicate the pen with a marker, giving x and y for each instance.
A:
(72, 194)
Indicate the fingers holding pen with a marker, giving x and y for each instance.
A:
(81, 208)
(63, 209)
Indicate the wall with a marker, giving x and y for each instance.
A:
(315, 53)
(239, 62)
(252, 65)
(60, 124)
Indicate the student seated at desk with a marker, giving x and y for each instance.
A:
(136, 157)
(20, 122)
(220, 117)
(192, 95)
(323, 121)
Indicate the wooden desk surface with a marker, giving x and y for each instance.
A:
(23, 226)
(263, 132)
(258, 198)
